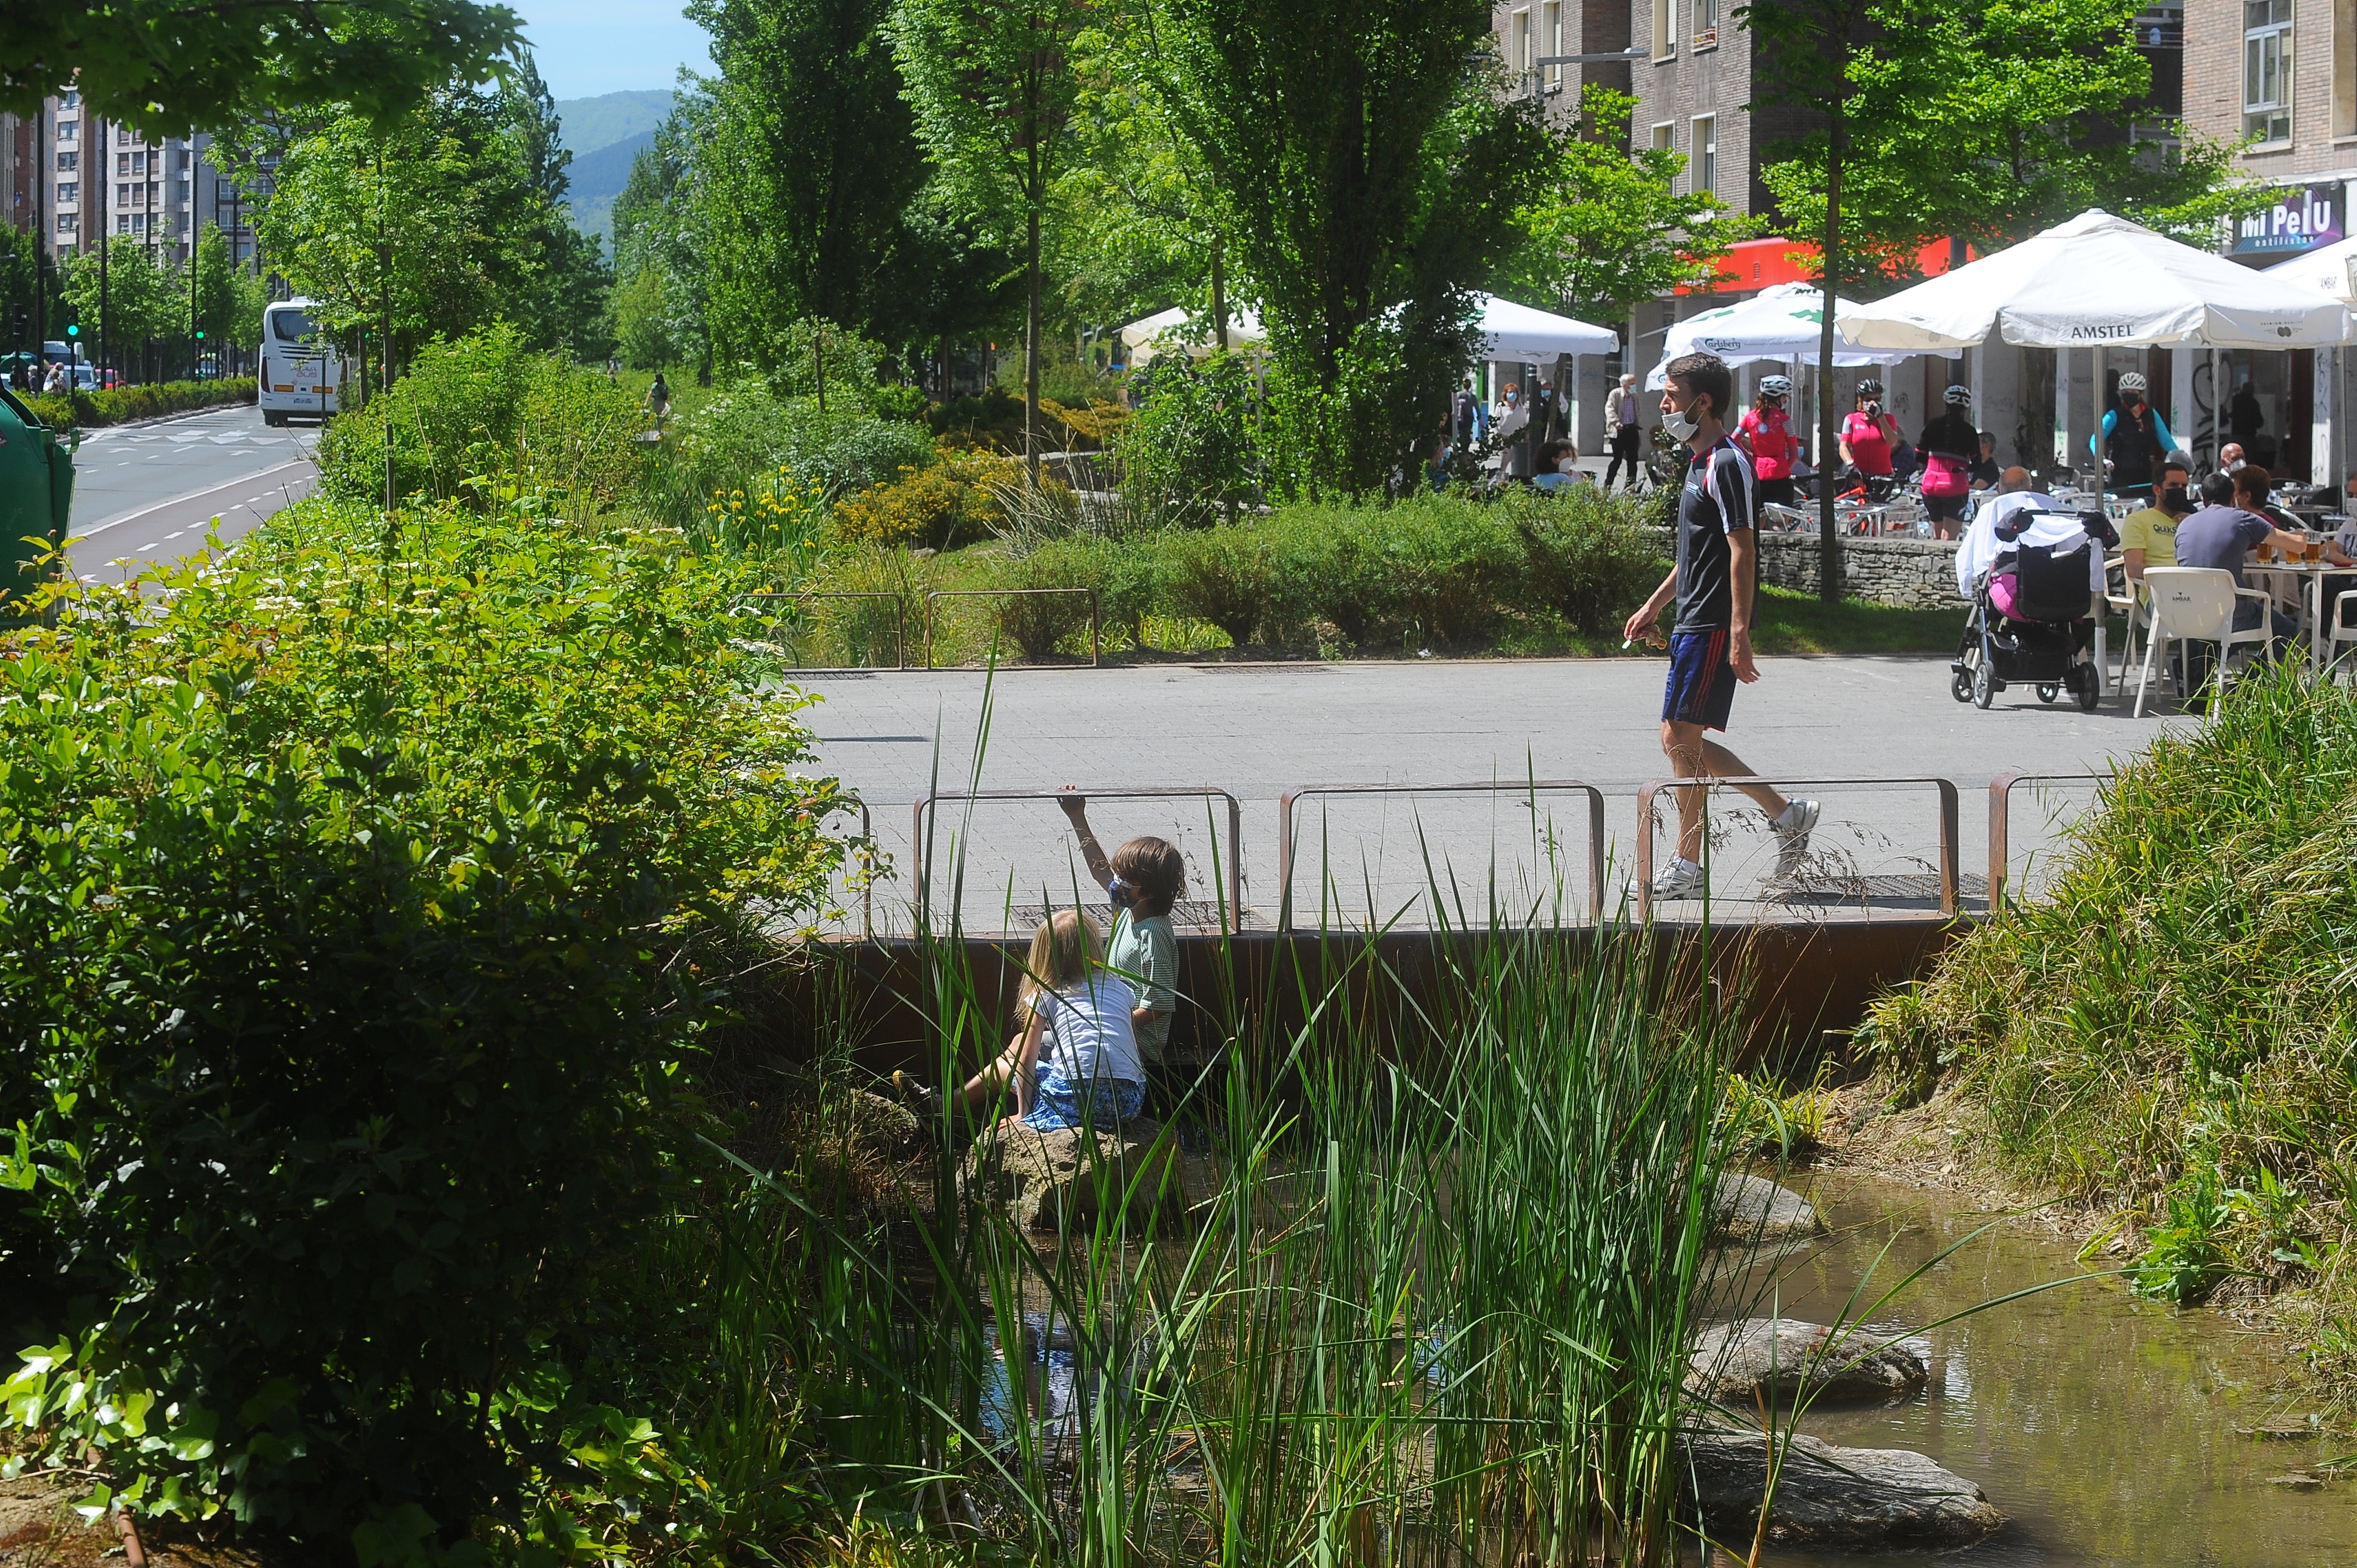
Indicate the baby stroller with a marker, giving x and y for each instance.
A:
(2032, 619)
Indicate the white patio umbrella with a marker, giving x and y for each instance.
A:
(2328, 269)
(2099, 282)
(1509, 332)
(1784, 324)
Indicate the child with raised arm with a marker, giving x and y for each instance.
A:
(1141, 880)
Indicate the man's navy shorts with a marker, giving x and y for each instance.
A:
(1702, 682)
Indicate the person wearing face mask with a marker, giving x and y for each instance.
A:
(1767, 434)
(1713, 584)
(1628, 426)
(1559, 467)
(2134, 438)
(2148, 537)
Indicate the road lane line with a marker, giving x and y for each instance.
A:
(120, 518)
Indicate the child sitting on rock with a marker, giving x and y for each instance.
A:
(1073, 1060)
(1142, 880)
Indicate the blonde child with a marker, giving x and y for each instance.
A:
(1073, 1060)
(1141, 880)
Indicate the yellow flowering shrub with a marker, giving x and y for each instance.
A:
(947, 504)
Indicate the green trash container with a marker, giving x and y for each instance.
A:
(36, 476)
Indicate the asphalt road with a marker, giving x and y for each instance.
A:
(147, 493)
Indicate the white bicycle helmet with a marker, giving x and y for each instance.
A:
(1775, 386)
(2133, 381)
(1869, 388)
(1959, 397)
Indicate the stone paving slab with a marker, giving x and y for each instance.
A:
(1258, 730)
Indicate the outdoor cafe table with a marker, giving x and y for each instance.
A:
(2306, 579)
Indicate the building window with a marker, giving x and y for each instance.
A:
(68, 190)
(1665, 136)
(1704, 168)
(121, 223)
(66, 130)
(139, 222)
(69, 99)
(1705, 24)
(1522, 48)
(1665, 28)
(224, 190)
(66, 162)
(1551, 39)
(2267, 69)
(67, 222)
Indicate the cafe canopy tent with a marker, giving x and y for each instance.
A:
(2329, 270)
(2099, 282)
(1515, 334)
(1784, 324)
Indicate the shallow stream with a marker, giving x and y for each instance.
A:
(2104, 1427)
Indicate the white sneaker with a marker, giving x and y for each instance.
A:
(1681, 878)
(1791, 831)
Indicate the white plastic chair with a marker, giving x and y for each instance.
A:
(2340, 626)
(2127, 599)
(2196, 604)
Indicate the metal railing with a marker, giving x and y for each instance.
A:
(1533, 787)
(1096, 633)
(1231, 909)
(900, 614)
(868, 889)
(2000, 826)
(1950, 903)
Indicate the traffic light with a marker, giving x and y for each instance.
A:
(201, 334)
(73, 329)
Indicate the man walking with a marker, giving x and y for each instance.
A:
(1627, 426)
(1713, 584)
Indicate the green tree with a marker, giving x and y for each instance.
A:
(228, 297)
(164, 65)
(656, 233)
(642, 330)
(993, 86)
(809, 163)
(143, 301)
(1374, 169)
(1610, 229)
(448, 219)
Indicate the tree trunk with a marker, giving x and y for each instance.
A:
(1031, 352)
(1219, 292)
(1829, 546)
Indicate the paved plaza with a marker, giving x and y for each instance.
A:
(1258, 730)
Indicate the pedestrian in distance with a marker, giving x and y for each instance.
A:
(1766, 435)
(2134, 439)
(1949, 445)
(1713, 585)
(1073, 1060)
(1628, 425)
(2244, 418)
(1142, 880)
(659, 400)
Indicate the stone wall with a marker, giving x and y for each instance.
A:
(1917, 573)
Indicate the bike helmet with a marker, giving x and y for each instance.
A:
(1869, 388)
(1959, 397)
(1775, 386)
(2133, 381)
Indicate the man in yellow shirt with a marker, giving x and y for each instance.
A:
(2148, 538)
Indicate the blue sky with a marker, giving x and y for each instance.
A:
(588, 46)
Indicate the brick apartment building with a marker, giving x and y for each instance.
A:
(1692, 86)
(2283, 73)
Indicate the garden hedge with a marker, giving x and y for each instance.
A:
(122, 405)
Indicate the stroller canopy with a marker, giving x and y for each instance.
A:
(2007, 522)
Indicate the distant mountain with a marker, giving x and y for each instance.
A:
(597, 178)
(589, 123)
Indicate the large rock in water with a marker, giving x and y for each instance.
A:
(1852, 1499)
(1777, 1359)
(1753, 1208)
(1051, 1180)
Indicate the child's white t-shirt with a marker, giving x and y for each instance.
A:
(1089, 1031)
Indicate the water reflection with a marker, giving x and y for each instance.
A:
(2103, 1426)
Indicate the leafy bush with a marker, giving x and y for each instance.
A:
(1226, 575)
(367, 894)
(1588, 557)
(749, 434)
(121, 405)
(937, 506)
(1191, 441)
(993, 419)
(486, 405)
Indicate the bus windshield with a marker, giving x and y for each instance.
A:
(292, 327)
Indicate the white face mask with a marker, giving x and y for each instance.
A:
(1681, 424)
(1568, 466)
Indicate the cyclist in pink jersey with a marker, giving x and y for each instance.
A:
(1868, 434)
(1766, 432)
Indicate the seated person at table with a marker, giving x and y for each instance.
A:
(1986, 470)
(2221, 536)
(2148, 537)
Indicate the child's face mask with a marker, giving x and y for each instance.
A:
(1121, 894)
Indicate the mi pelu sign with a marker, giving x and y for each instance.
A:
(2301, 221)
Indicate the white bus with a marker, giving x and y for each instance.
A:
(301, 378)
